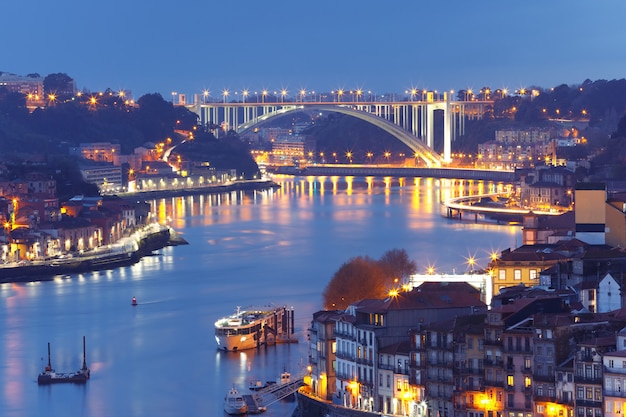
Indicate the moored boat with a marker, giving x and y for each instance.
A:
(234, 403)
(50, 376)
(253, 326)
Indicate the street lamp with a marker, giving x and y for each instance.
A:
(225, 94)
(174, 94)
(302, 94)
(263, 94)
(244, 94)
(359, 93)
(283, 93)
(205, 95)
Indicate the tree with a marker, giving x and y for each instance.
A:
(59, 84)
(397, 265)
(359, 278)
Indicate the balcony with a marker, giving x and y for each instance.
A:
(345, 355)
(365, 361)
(493, 342)
(543, 378)
(597, 380)
(494, 383)
(589, 403)
(494, 362)
(545, 399)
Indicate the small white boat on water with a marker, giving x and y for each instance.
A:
(234, 403)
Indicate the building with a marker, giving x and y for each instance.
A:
(370, 326)
(106, 176)
(322, 350)
(589, 375)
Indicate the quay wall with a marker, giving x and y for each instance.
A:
(45, 270)
(382, 171)
(309, 406)
(245, 185)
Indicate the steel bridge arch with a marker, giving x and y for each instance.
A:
(421, 150)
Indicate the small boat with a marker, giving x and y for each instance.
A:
(234, 403)
(285, 378)
(50, 376)
(256, 384)
(134, 301)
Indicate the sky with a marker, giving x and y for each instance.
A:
(189, 46)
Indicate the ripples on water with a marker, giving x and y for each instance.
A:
(281, 246)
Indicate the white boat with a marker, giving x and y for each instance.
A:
(248, 328)
(234, 403)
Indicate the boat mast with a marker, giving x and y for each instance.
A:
(49, 367)
(84, 368)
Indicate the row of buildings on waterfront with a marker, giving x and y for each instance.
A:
(551, 341)
(38, 224)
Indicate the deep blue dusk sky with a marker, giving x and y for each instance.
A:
(384, 46)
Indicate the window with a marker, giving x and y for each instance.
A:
(533, 274)
(611, 363)
(502, 274)
(517, 274)
(470, 343)
(510, 381)
(527, 362)
(591, 295)
(527, 382)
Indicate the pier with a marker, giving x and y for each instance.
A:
(261, 399)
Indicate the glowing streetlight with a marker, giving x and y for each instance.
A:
(263, 94)
(302, 94)
(471, 261)
(225, 93)
(339, 94)
(283, 93)
(244, 94)
(205, 95)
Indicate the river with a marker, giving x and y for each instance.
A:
(274, 246)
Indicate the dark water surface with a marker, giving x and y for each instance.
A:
(282, 246)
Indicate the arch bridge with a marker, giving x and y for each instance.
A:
(411, 122)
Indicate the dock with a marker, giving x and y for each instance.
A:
(261, 399)
(50, 376)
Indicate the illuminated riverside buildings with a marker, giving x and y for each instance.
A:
(535, 353)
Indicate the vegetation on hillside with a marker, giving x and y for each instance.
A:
(108, 117)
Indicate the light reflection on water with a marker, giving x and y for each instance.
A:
(280, 246)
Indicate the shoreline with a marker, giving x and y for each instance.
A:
(96, 260)
(107, 258)
(243, 185)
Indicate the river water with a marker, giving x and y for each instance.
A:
(275, 246)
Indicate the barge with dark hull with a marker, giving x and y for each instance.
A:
(49, 376)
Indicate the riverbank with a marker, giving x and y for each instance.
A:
(309, 405)
(243, 185)
(129, 250)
